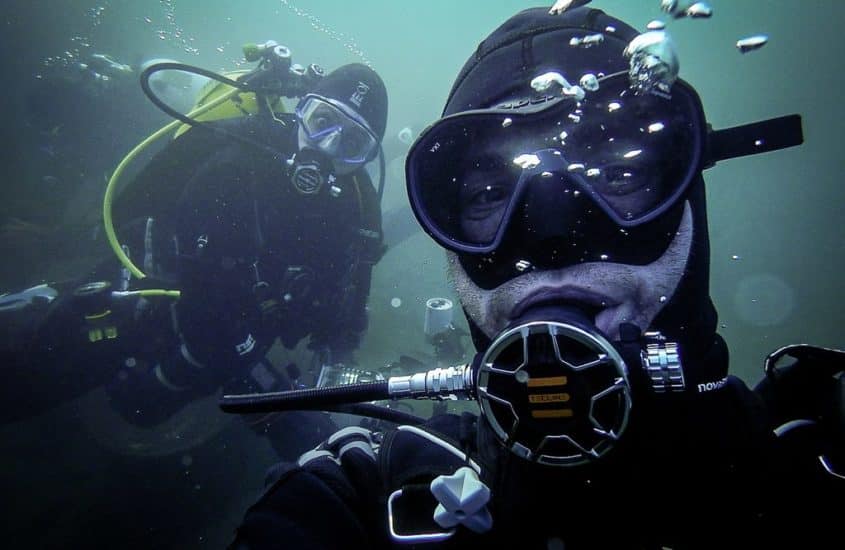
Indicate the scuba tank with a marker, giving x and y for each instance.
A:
(257, 92)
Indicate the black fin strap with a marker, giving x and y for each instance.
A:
(757, 137)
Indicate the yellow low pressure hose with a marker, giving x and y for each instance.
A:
(115, 178)
(149, 292)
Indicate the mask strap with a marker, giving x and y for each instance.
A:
(751, 139)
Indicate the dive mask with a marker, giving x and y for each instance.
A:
(336, 130)
(630, 155)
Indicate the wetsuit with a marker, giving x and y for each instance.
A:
(704, 469)
(255, 261)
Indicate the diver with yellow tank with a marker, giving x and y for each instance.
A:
(253, 225)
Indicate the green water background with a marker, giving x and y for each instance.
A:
(776, 224)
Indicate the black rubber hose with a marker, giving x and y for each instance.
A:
(307, 399)
(377, 411)
(168, 66)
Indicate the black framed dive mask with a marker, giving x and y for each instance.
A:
(630, 155)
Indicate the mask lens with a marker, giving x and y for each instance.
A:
(634, 155)
(463, 187)
(356, 143)
(320, 118)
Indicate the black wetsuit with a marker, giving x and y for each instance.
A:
(699, 470)
(255, 260)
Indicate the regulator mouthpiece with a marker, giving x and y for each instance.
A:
(554, 392)
(312, 170)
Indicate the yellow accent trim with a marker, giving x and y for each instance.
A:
(95, 316)
(555, 413)
(118, 172)
(206, 95)
(241, 104)
(548, 381)
(154, 292)
(548, 398)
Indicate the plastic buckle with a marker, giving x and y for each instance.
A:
(412, 538)
(463, 499)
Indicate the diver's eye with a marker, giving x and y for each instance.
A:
(479, 201)
(320, 123)
(490, 194)
(353, 144)
(619, 181)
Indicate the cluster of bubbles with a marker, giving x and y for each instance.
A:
(96, 14)
(317, 25)
(167, 29)
(701, 10)
(80, 43)
(171, 31)
(653, 64)
(653, 57)
(678, 9)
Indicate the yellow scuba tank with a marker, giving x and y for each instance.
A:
(217, 100)
(238, 104)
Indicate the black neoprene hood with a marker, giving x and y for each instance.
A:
(534, 42)
(362, 90)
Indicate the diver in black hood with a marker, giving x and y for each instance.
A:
(565, 184)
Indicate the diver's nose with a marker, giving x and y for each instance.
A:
(552, 208)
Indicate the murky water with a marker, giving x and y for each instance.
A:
(81, 476)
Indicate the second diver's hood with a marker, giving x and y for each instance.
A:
(362, 90)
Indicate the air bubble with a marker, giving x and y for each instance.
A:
(752, 43)
(589, 82)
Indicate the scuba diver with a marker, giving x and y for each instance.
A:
(566, 185)
(265, 221)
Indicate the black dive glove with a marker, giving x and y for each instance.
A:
(808, 394)
(59, 341)
(217, 331)
(219, 321)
